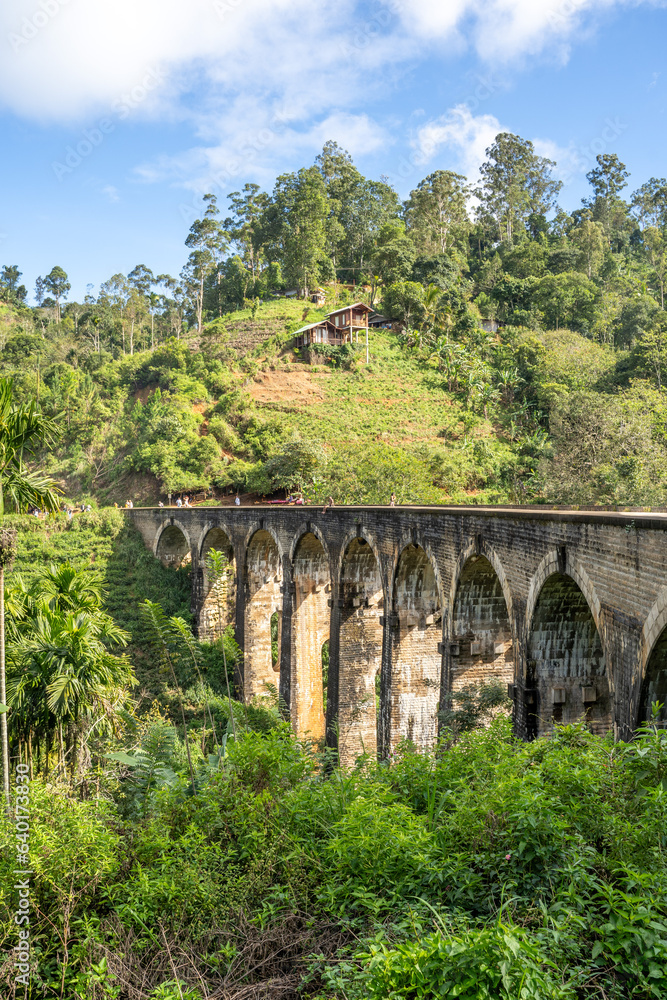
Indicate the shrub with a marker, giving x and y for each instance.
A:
(498, 963)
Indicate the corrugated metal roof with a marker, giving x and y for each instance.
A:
(311, 326)
(353, 305)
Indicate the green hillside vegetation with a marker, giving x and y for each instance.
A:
(176, 853)
(102, 544)
(491, 869)
(164, 385)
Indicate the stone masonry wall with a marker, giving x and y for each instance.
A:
(482, 636)
(262, 597)
(173, 549)
(310, 630)
(618, 562)
(360, 656)
(655, 683)
(218, 596)
(566, 663)
(415, 660)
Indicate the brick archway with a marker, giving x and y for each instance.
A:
(172, 544)
(566, 664)
(480, 628)
(217, 600)
(651, 683)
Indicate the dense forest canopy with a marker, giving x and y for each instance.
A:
(152, 377)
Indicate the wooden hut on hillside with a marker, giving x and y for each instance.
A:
(323, 332)
(377, 321)
(350, 319)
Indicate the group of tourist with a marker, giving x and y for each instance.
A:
(296, 499)
(64, 509)
(293, 498)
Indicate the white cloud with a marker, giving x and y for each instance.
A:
(359, 134)
(88, 55)
(460, 139)
(259, 80)
(67, 59)
(462, 135)
(111, 193)
(257, 150)
(503, 30)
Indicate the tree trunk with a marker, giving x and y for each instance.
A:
(61, 749)
(200, 303)
(73, 745)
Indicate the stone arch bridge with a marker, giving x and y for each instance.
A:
(567, 607)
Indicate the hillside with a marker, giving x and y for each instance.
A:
(166, 385)
(559, 419)
(195, 415)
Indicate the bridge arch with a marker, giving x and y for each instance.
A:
(172, 544)
(217, 598)
(307, 528)
(653, 661)
(416, 630)
(263, 583)
(480, 626)
(219, 525)
(260, 525)
(360, 647)
(311, 624)
(566, 662)
(556, 562)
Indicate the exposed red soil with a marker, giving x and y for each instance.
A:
(286, 386)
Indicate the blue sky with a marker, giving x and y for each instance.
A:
(117, 115)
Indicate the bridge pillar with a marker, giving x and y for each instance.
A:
(359, 609)
(263, 597)
(416, 661)
(310, 630)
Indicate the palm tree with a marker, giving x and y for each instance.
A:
(65, 588)
(452, 359)
(431, 309)
(63, 670)
(22, 428)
